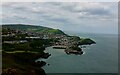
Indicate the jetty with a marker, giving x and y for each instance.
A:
(59, 47)
(73, 52)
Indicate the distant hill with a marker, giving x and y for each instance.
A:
(34, 28)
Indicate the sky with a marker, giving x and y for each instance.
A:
(90, 17)
(59, 0)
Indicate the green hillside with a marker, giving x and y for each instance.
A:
(34, 28)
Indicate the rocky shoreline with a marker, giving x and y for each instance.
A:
(23, 63)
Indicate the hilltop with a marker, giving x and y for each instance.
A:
(33, 28)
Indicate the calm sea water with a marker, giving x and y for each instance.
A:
(99, 58)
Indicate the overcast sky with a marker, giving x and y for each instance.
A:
(92, 17)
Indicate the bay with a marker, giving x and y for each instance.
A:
(99, 58)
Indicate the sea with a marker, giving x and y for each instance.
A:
(101, 57)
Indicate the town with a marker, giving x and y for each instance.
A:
(12, 36)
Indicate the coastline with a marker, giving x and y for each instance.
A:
(20, 44)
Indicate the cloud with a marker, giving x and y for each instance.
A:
(63, 15)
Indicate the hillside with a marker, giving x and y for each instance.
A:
(33, 28)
